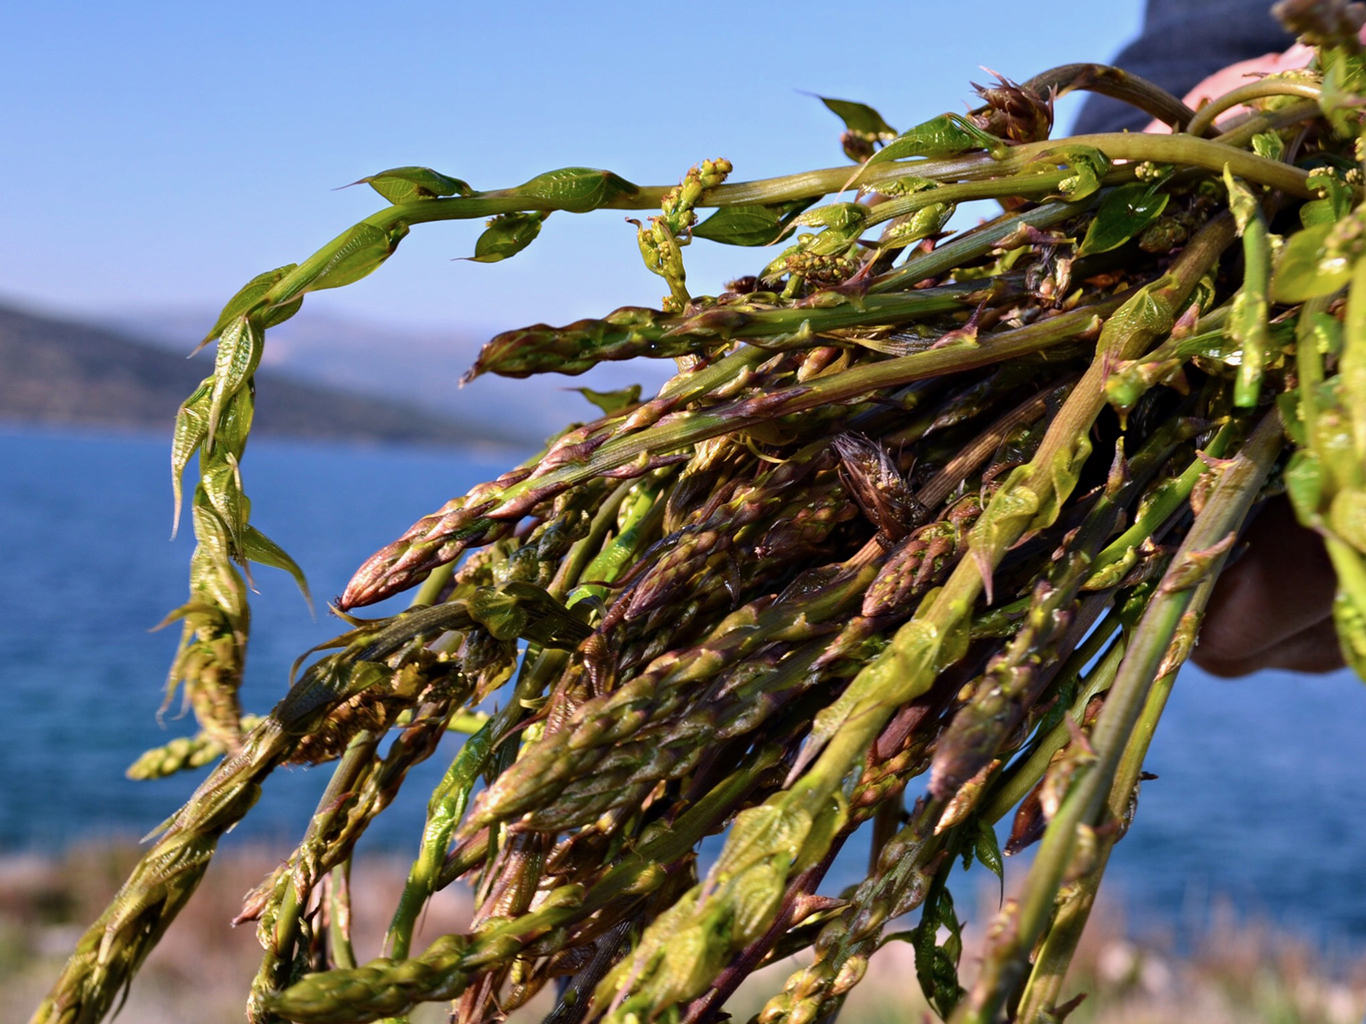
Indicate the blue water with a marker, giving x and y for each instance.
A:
(88, 571)
(1260, 798)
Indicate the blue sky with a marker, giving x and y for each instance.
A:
(159, 155)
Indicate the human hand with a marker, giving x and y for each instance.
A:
(1273, 608)
(1227, 79)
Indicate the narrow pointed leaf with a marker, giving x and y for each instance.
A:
(611, 402)
(576, 189)
(246, 299)
(191, 428)
(239, 353)
(1122, 215)
(507, 235)
(356, 254)
(261, 549)
(945, 135)
(860, 118)
(750, 225)
(411, 184)
(1304, 270)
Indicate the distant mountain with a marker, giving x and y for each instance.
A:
(58, 371)
(421, 366)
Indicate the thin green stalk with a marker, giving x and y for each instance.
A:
(1059, 946)
(1243, 131)
(971, 456)
(1020, 780)
(444, 811)
(281, 920)
(801, 819)
(1309, 365)
(588, 549)
(1203, 120)
(912, 661)
(436, 539)
(1248, 319)
(386, 986)
(1183, 150)
(973, 244)
(1032, 183)
(339, 916)
(113, 948)
(1201, 554)
(393, 222)
(1017, 675)
(1115, 83)
(1170, 497)
(449, 800)
(431, 588)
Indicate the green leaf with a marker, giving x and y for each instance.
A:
(907, 184)
(611, 402)
(1304, 485)
(239, 353)
(279, 314)
(220, 483)
(839, 216)
(750, 225)
(988, 849)
(234, 425)
(211, 571)
(191, 428)
(926, 221)
(1288, 403)
(1335, 202)
(247, 298)
(824, 828)
(520, 609)
(1344, 80)
(860, 118)
(1304, 270)
(1327, 333)
(1350, 621)
(259, 548)
(576, 189)
(354, 254)
(945, 135)
(1347, 517)
(1087, 164)
(410, 184)
(1268, 145)
(507, 235)
(936, 966)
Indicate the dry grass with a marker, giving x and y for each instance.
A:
(1235, 973)
(202, 968)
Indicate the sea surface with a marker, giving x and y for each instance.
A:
(1260, 800)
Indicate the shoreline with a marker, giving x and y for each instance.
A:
(1239, 971)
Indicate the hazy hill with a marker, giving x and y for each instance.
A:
(422, 366)
(58, 371)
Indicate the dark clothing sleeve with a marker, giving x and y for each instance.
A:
(1183, 41)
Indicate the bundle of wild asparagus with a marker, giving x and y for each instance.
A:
(917, 536)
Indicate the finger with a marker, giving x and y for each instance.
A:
(1282, 586)
(1316, 649)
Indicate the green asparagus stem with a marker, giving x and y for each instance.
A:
(1200, 555)
(860, 535)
